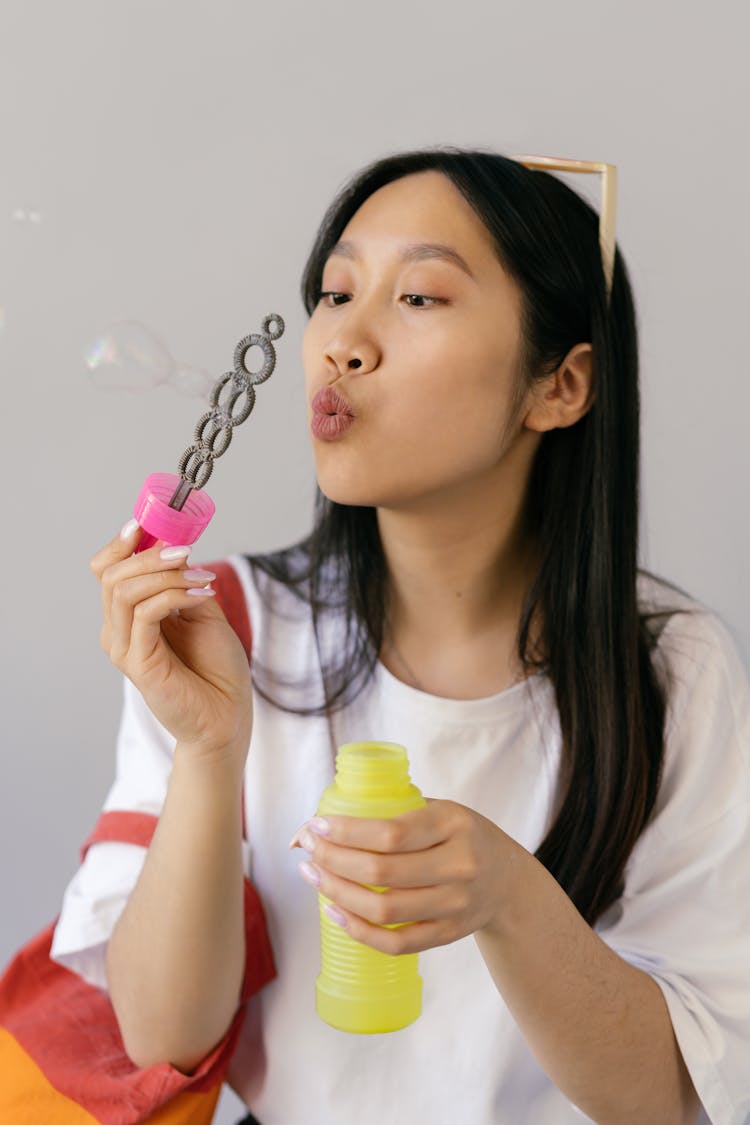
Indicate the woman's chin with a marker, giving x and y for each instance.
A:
(366, 496)
(342, 487)
(339, 483)
(339, 493)
(374, 486)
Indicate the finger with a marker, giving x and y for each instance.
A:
(390, 906)
(130, 593)
(430, 867)
(320, 825)
(149, 614)
(411, 831)
(414, 938)
(121, 547)
(117, 561)
(158, 558)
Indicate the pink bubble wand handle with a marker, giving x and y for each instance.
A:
(160, 521)
(173, 507)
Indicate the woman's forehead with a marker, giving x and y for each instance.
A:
(420, 217)
(426, 203)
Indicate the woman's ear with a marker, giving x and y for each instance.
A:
(565, 395)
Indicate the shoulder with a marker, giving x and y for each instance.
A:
(695, 650)
(707, 724)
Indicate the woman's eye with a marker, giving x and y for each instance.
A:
(331, 293)
(407, 297)
(421, 297)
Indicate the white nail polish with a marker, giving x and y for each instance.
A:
(171, 553)
(129, 529)
(309, 874)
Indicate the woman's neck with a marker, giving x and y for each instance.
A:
(457, 580)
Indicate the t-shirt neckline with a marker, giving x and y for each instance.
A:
(510, 698)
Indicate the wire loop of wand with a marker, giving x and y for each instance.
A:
(213, 433)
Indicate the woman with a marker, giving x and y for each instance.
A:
(470, 589)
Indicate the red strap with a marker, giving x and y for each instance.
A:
(231, 598)
(121, 827)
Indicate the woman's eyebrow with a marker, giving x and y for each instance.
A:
(413, 252)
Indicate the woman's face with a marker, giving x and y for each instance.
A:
(425, 352)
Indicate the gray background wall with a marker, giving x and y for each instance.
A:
(169, 163)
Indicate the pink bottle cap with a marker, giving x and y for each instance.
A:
(159, 521)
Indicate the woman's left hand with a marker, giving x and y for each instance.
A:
(447, 869)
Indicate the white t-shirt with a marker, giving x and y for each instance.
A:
(684, 917)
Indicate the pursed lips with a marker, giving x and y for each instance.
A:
(329, 401)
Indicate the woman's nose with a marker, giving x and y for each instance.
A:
(350, 355)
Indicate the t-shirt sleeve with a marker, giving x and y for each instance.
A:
(97, 893)
(684, 917)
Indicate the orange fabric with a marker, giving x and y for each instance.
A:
(187, 1109)
(69, 1028)
(27, 1097)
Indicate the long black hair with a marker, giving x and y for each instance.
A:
(582, 510)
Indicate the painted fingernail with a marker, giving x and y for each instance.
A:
(306, 840)
(201, 592)
(129, 529)
(335, 915)
(309, 873)
(203, 576)
(170, 553)
(318, 825)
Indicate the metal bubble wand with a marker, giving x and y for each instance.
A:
(173, 507)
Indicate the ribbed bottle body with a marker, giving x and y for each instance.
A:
(360, 989)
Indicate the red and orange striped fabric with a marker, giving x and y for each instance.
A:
(62, 1059)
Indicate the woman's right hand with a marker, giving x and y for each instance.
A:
(190, 667)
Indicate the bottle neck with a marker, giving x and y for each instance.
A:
(372, 769)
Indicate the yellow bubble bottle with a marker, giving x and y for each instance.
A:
(360, 989)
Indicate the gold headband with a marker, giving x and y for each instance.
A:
(608, 204)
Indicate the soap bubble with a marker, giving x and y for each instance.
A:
(193, 382)
(127, 356)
